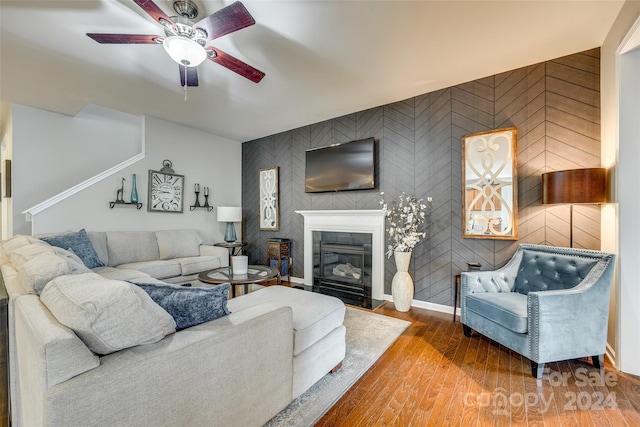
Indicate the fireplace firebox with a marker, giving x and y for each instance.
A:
(342, 266)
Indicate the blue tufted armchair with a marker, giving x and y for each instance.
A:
(547, 303)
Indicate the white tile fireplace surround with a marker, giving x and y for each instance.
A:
(347, 221)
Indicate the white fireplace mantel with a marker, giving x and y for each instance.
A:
(348, 221)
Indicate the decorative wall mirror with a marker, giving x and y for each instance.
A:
(490, 185)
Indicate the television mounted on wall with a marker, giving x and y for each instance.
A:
(341, 167)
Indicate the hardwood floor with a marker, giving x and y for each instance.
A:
(434, 376)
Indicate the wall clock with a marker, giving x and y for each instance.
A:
(165, 192)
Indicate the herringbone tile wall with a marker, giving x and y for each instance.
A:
(556, 108)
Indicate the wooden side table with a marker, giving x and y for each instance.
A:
(279, 256)
(473, 266)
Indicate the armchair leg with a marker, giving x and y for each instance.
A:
(598, 361)
(537, 369)
(466, 330)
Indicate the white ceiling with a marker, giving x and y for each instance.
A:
(322, 58)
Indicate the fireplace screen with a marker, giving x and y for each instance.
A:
(342, 266)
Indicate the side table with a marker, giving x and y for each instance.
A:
(235, 248)
(472, 266)
(279, 256)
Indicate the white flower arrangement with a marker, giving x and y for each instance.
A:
(404, 218)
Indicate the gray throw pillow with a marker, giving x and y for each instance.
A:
(189, 306)
(108, 315)
(79, 243)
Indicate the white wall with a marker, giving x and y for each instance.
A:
(6, 135)
(52, 152)
(628, 181)
(620, 152)
(208, 159)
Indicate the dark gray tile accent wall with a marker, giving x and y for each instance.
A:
(556, 107)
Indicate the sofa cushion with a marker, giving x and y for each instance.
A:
(78, 242)
(189, 306)
(194, 265)
(115, 273)
(108, 315)
(25, 253)
(178, 243)
(314, 315)
(508, 309)
(131, 246)
(15, 242)
(99, 243)
(542, 271)
(156, 269)
(35, 273)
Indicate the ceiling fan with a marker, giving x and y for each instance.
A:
(185, 41)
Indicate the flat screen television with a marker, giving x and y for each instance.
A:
(341, 167)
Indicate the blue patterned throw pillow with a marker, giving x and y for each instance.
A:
(78, 242)
(189, 306)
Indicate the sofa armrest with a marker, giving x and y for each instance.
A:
(500, 280)
(570, 323)
(222, 253)
(236, 370)
(47, 352)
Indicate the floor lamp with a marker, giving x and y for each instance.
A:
(574, 186)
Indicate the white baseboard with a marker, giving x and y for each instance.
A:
(415, 303)
(427, 305)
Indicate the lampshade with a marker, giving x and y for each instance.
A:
(184, 51)
(229, 214)
(574, 186)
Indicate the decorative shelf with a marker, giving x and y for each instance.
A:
(197, 205)
(118, 203)
(207, 207)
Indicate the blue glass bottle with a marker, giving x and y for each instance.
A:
(134, 190)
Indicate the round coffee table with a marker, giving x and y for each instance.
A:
(255, 274)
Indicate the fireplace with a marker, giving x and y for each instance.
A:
(349, 237)
(342, 266)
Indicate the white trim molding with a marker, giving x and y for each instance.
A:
(34, 210)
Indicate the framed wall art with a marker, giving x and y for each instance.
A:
(490, 185)
(269, 199)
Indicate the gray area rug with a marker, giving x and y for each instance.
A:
(368, 336)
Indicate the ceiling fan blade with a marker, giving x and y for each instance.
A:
(192, 75)
(235, 65)
(154, 11)
(125, 38)
(227, 20)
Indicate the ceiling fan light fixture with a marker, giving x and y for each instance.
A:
(184, 51)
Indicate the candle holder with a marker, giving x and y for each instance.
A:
(206, 200)
(206, 203)
(197, 205)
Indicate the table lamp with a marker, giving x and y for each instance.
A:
(230, 214)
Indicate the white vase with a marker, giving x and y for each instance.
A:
(402, 284)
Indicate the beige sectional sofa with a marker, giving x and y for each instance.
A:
(240, 369)
(173, 256)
